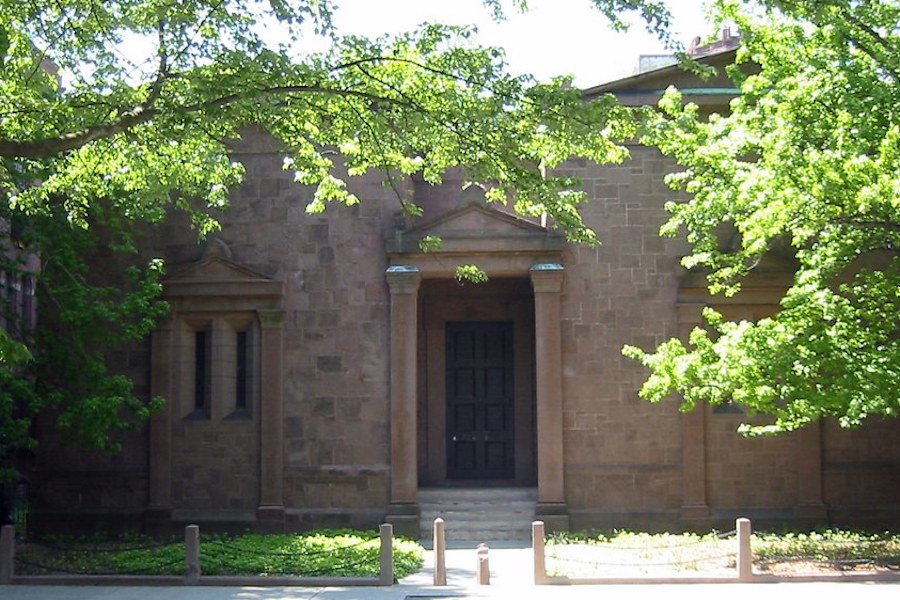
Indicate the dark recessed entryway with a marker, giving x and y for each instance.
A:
(476, 373)
(480, 401)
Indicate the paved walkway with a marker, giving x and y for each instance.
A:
(512, 577)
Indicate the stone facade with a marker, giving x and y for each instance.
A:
(327, 367)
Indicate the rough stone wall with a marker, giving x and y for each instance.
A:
(336, 351)
(861, 469)
(622, 454)
(336, 330)
(109, 491)
(216, 465)
(748, 473)
(66, 479)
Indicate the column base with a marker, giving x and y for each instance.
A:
(811, 511)
(695, 511)
(158, 521)
(555, 516)
(270, 519)
(405, 520)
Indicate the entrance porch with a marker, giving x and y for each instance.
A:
(476, 383)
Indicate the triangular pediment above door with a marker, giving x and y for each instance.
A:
(215, 277)
(477, 228)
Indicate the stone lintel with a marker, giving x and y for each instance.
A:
(240, 288)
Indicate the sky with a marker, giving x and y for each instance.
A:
(555, 37)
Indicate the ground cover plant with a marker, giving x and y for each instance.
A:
(334, 553)
(626, 553)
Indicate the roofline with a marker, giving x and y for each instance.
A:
(625, 83)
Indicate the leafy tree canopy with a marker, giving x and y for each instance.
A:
(114, 112)
(97, 122)
(809, 159)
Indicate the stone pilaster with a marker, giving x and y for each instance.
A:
(270, 512)
(693, 435)
(547, 280)
(159, 507)
(403, 512)
(810, 503)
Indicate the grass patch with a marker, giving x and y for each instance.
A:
(625, 552)
(832, 545)
(333, 553)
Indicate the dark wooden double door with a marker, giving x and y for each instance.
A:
(480, 401)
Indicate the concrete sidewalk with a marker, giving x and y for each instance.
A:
(512, 576)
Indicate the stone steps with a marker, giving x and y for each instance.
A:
(478, 515)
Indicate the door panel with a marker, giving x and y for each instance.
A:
(480, 402)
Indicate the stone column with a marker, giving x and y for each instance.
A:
(404, 511)
(810, 504)
(551, 509)
(220, 399)
(693, 434)
(159, 506)
(270, 513)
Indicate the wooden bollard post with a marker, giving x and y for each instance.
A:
(440, 552)
(192, 554)
(7, 553)
(537, 545)
(745, 554)
(386, 574)
(483, 571)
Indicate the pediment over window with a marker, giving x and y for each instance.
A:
(215, 282)
(477, 234)
(764, 285)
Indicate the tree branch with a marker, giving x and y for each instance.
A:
(54, 146)
(854, 21)
(49, 147)
(870, 224)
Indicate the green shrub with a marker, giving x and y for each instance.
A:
(335, 553)
(828, 545)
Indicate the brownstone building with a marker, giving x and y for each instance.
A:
(322, 370)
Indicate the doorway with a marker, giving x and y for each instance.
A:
(480, 429)
(476, 384)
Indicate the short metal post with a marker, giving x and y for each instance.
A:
(192, 554)
(483, 571)
(537, 545)
(386, 574)
(440, 553)
(7, 553)
(745, 555)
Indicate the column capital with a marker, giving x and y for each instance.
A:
(547, 277)
(167, 322)
(690, 313)
(270, 318)
(403, 279)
